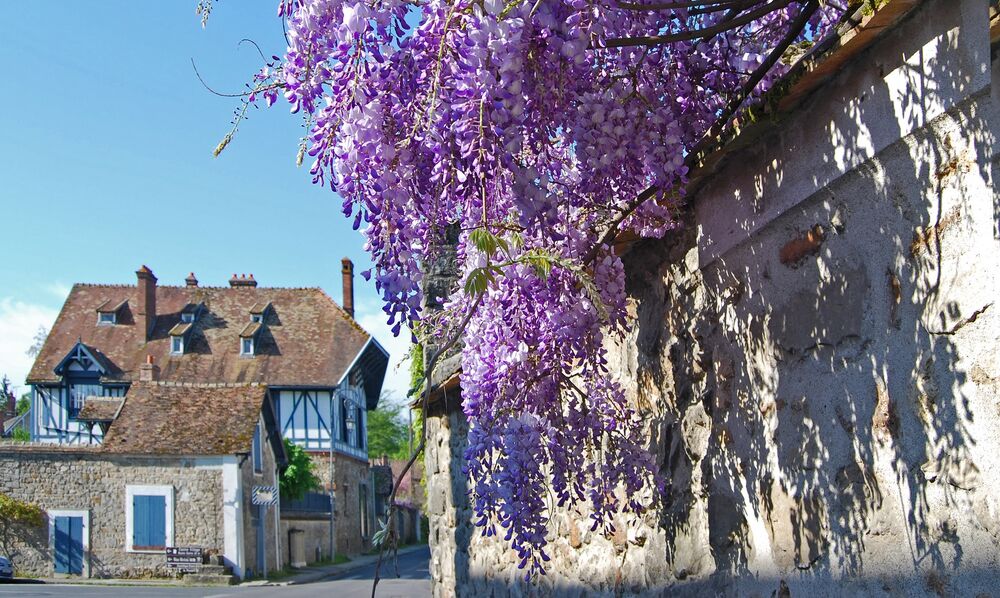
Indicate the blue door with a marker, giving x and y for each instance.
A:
(69, 545)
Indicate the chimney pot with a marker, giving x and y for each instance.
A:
(242, 281)
(347, 273)
(149, 372)
(146, 282)
(191, 281)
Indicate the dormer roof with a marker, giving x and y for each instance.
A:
(308, 339)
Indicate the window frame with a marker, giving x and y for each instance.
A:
(168, 532)
(111, 321)
(187, 317)
(257, 450)
(175, 340)
(243, 342)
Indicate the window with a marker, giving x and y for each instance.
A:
(78, 393)
(187, 317)
(106, 318)
(149, 518)
(257, 318)
(359, 428)
(177, 345)
(258, 451)
(246, 346)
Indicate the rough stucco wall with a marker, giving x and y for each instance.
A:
(823, 405)
(97, 484)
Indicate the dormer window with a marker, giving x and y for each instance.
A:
(107, 312)
(258, 318)
(246, 346)
(187, 317)
(177, 345)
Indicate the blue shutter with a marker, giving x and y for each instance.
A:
(157, 521)
(61, 545)
(140, 518)
(149, 521)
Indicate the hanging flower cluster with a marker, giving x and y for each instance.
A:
(533, 126)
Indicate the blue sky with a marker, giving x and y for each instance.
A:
(106, 139)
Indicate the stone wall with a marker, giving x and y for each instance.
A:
(815, 353)
(65, 480)
(350, 476)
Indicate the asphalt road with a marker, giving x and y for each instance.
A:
(414, 581)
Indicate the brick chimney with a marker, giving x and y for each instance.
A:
(147, 299)
(191, 281)
(347, 270)
(149, 372)
(242, 281)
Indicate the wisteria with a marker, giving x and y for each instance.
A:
(541, 130)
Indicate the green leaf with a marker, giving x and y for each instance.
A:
(477, 281)
(484, 241)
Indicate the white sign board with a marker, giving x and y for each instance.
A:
(265, 495)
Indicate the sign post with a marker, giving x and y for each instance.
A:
(185, 559)
(263, 497)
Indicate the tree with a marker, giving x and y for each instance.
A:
(16, 518)
(299, 476)
(38, 341)
(387, 432)
(24, 403)
(6, 394)
(543, 131)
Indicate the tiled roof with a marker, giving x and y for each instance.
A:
(197, 419)
(307, 339)
(100, 409)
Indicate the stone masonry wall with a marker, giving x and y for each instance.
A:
(350, 475)
(815, 353)
(75, 481)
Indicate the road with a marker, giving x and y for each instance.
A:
(414, 581)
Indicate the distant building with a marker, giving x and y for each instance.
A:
(130, 376)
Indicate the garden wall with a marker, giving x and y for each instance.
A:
(815, 352)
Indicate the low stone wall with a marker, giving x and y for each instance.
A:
(815, 354)
(78, 480)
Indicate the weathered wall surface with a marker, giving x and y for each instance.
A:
(816, 352)
(351, 479)
(76, 481)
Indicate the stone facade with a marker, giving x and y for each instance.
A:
(351, 478)
(61, 479)
(815, 353)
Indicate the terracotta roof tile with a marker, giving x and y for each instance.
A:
(186, 419)
(100, 409)
(307, 339)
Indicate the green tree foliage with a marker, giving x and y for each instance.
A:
(299, 477)
(387, 433)
(16, 517)
(24, 403)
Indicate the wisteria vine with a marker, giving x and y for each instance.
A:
(541, 129)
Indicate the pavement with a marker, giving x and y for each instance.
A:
(347, 580)
(314, 574)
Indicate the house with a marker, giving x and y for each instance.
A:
(176, 467)
(316, 370)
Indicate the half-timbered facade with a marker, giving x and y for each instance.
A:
(320, 370)
(324, 372)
